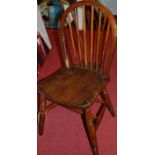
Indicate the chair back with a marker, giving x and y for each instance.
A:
(88, 36)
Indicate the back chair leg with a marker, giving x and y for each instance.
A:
(99, 116)
(41, 114)
(88, 122)
(106, 98)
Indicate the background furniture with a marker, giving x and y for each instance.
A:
(43, 42)
(41, 29)
(92, 60)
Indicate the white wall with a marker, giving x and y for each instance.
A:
(111, 4)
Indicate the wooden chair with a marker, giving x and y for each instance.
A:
(87, 56)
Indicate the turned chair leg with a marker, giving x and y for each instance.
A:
(106, 98)
(41, 115)
(88, 122)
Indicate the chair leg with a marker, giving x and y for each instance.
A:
(106, 98)
(41, 115)
(99, 116)
(88, 122)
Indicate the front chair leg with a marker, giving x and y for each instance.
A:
(41, 115)
(88, 122)
(105, 96)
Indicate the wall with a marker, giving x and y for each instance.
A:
(111, 4)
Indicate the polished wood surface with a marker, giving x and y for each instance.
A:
(88, 122)
(72, 87)
(93, 40)
(88, 54)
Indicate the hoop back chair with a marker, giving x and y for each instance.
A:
(88, 50)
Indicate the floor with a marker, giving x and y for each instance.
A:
(63, 132)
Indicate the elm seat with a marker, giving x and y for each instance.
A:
(72, 87)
